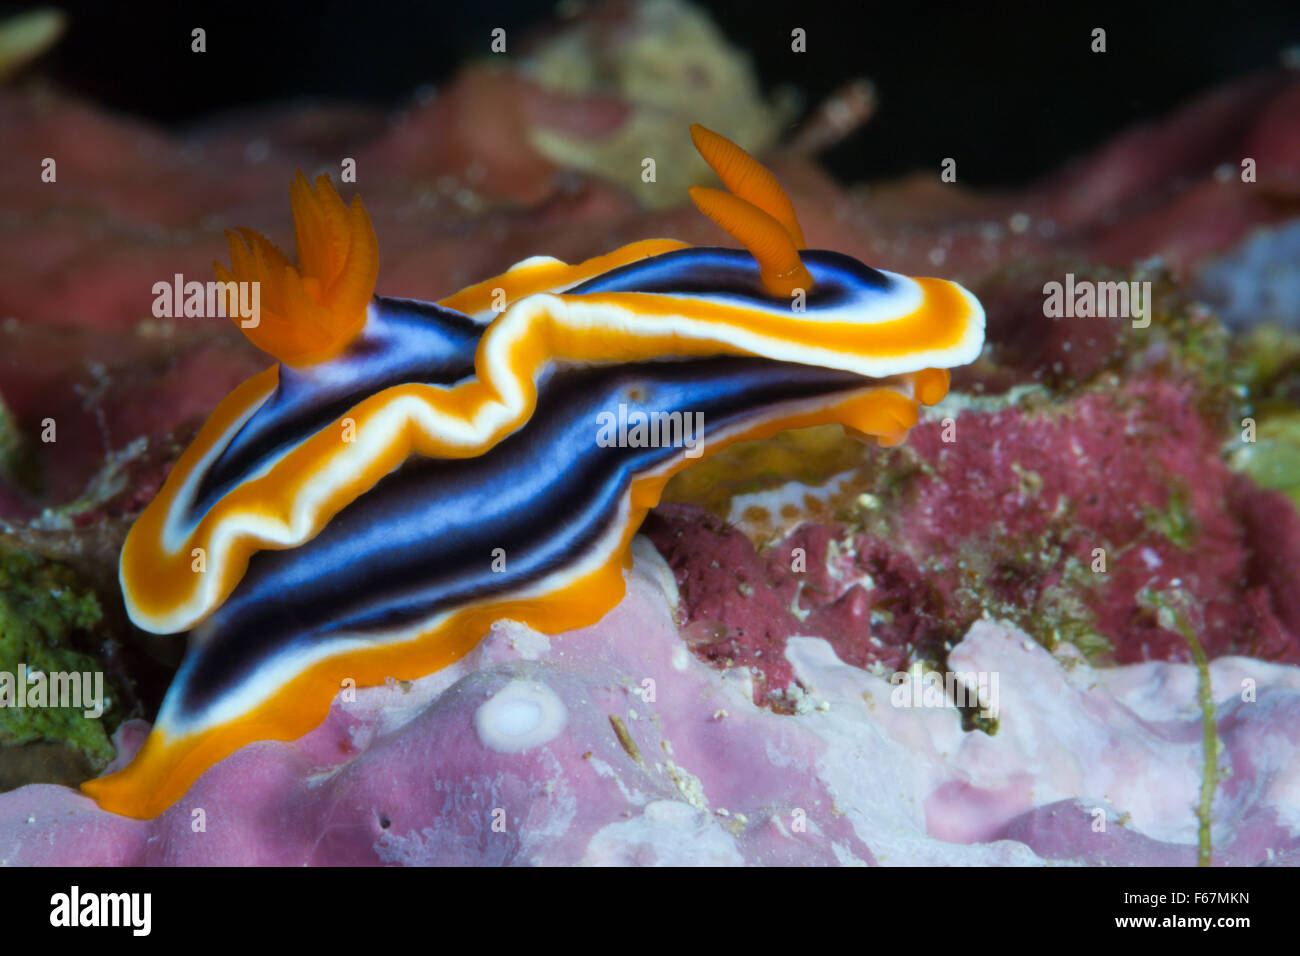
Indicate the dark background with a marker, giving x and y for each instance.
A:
(1011, 88)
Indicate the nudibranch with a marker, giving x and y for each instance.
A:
(409, 472)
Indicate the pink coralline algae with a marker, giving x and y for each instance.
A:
(1070, 517)
(615, 745)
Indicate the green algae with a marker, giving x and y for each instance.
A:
(1263, 437)
(1172, 608)
(1272, 460)
(1266, 368)
(1185, 340)
(1052, 614)
(42, 608)
(1176, 522)
(18, 464)
(1194, 344)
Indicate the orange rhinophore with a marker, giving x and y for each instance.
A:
(780, 268)
(748, 179)
(756, 211)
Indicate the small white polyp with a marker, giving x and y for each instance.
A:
(521, 715)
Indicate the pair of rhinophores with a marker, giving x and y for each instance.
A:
(411, 472)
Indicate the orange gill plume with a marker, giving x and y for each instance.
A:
(757, 212)
(309, 314)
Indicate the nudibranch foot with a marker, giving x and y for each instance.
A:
(368, 508)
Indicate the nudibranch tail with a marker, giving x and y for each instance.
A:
(309, 314)
(414, 471)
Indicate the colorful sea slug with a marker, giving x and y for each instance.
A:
(411, 472)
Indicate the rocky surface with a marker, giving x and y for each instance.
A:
(615, 745)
